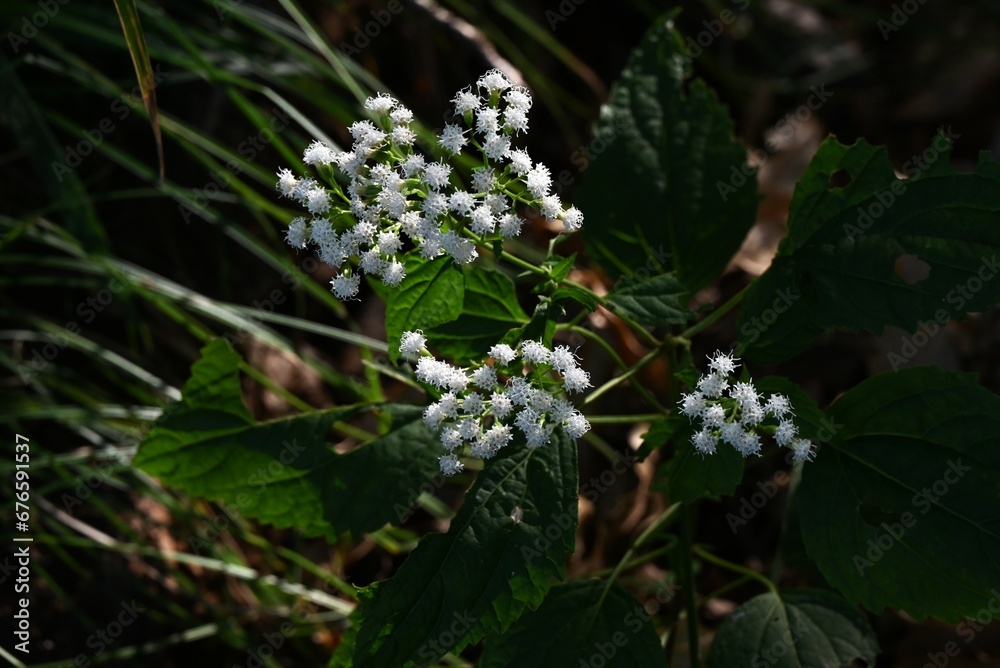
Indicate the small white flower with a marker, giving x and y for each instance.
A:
(484, 377)
(576, 380)
(520, 162)
(500, 405)
(785, 433)
(436, 175)
(515, 120)
(472, 404)
(286, 182)
(804, 449)
(576, 425)
(482, 179)
(692, 405)
(401, 116)
(393, 274)
(401, 135)
(713, 385)
(318, 201)
(450, 465)
(452, 138)
(382, 104)
(705, 441)
(494, 82)
(538, 181)
(389, 243)
(411, 343)
(461, 202)
(481, 220)
(510, 226)
(345, 287)
(465, 101)
(518, 97)
(778, 406)
(496, 146)
(488, 120)
(297, 233)
(551, 207)
(535, 352)
(572, 219)
(413, 165)
(713, 416)
(723, 363)
(318, 153)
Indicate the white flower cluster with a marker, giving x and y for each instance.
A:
(482, 405)
(738, 417)
(395, 191)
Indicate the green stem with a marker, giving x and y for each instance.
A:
(690, 605)
(665, 518)
(639, 387)
(735, 568)
(617, 380)
(688, 333)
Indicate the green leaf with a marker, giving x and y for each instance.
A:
(577, 295)
(541, 327)
(690, 475)
(800, 628)
(489, 311)
(498, 559)
(560, 266)
(579, 624)
(912, 472)
(660, 196)
(431, 295)
(655, 302)
(282, 472)
(838, 267)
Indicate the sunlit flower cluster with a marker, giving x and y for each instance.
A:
(481, 406)
(741, 416)
(394, 193)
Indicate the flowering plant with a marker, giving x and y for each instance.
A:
(509, 396)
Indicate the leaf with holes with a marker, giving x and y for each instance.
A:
(877, 252)
(912, 472)
(800, 628)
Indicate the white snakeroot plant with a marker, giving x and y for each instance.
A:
(740, 417)
(388, 192)
(482, 406)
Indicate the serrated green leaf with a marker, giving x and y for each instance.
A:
(560, 266)
(579, 624)
(431, 295)
(282, 472)
(489, 310)
(838, 265)
(660, 197)
(900, 509)
(498, 559)
(655, 302)
(801, 628)
(690, 475)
